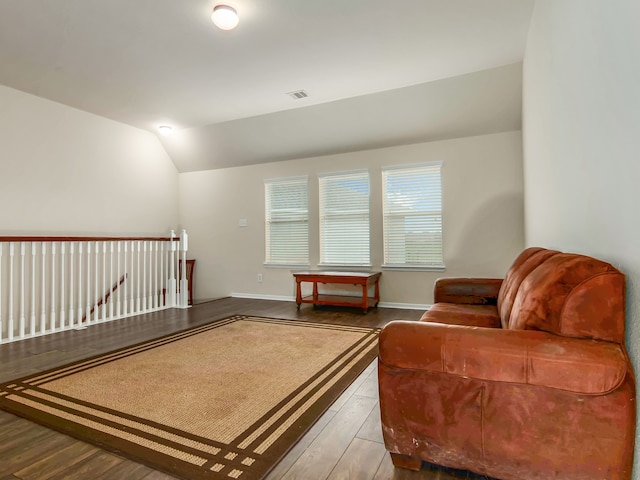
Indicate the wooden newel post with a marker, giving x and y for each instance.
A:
(184, 283)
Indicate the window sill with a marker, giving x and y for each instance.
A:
(415, 268)
(327, 266)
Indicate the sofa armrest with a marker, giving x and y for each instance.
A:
(472, 291)
(530, 357)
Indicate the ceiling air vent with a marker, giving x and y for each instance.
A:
(298, 94)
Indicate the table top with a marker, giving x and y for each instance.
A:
(321, 273)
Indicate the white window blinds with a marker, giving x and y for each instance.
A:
(412, 215)
(344, 218)
(287, 221)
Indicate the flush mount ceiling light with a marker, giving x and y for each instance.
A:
(165, 129)
(225, 17)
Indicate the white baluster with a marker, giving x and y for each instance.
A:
(32, 316)
(10, 326)
(71, 262)
(43, 288)
(62, 291)
(22, 317)
(96, 282)
(124, 292)
(111, 280)
(104, 281)
(87, 314)
(184, 283)
(79, 322)
(149, 289)
(52, 315)
(132, 298)
(138, 299)
(156, 292)
(118, 305)
(144, 276)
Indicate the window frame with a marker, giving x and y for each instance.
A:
(439, 265)
(270, 259)
(323, 215)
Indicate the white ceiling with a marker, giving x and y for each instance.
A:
(152, 62)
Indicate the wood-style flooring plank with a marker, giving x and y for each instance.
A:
(56, 462)
(386, 471)
(6, 419)
(156, 475)
(42, 361)
(322, 455)
(369, 388)
(372, 427)
(90, 467)
(18, 434)
(30, 451)
(351, 389)
(359, 462)
(299, 448)
(126, 470)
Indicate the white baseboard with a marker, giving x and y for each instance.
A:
(254, 296)
(405, 306)
(285, 298)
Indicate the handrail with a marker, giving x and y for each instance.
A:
(20, 238)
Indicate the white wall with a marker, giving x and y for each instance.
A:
(581, 141)
(483, 216)
(65, 171)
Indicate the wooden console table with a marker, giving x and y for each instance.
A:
(350, 278)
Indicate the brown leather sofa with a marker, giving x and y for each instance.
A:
(522, 378)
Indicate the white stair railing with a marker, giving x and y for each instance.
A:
(50, 284)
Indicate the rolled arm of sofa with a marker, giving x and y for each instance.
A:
(582, 366)
(471, 291)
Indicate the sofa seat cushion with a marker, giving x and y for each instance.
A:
(462, 314)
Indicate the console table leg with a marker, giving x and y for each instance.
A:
(365, 298)
(298, 294)
(377, 292)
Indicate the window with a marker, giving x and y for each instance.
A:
(412, 216)
(344, 218)
(287, 221)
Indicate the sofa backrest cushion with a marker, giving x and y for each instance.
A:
(572, 295)
(522, 266)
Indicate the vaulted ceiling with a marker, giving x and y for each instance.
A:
(377, 73)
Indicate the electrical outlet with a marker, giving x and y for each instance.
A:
(259, 278)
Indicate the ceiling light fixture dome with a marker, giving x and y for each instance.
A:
(165, 129)
(225, 17)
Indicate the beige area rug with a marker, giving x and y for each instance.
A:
(224, 400)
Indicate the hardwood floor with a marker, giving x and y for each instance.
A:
(346, 443)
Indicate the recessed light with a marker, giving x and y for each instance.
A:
(225, 17)
(165, 129)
